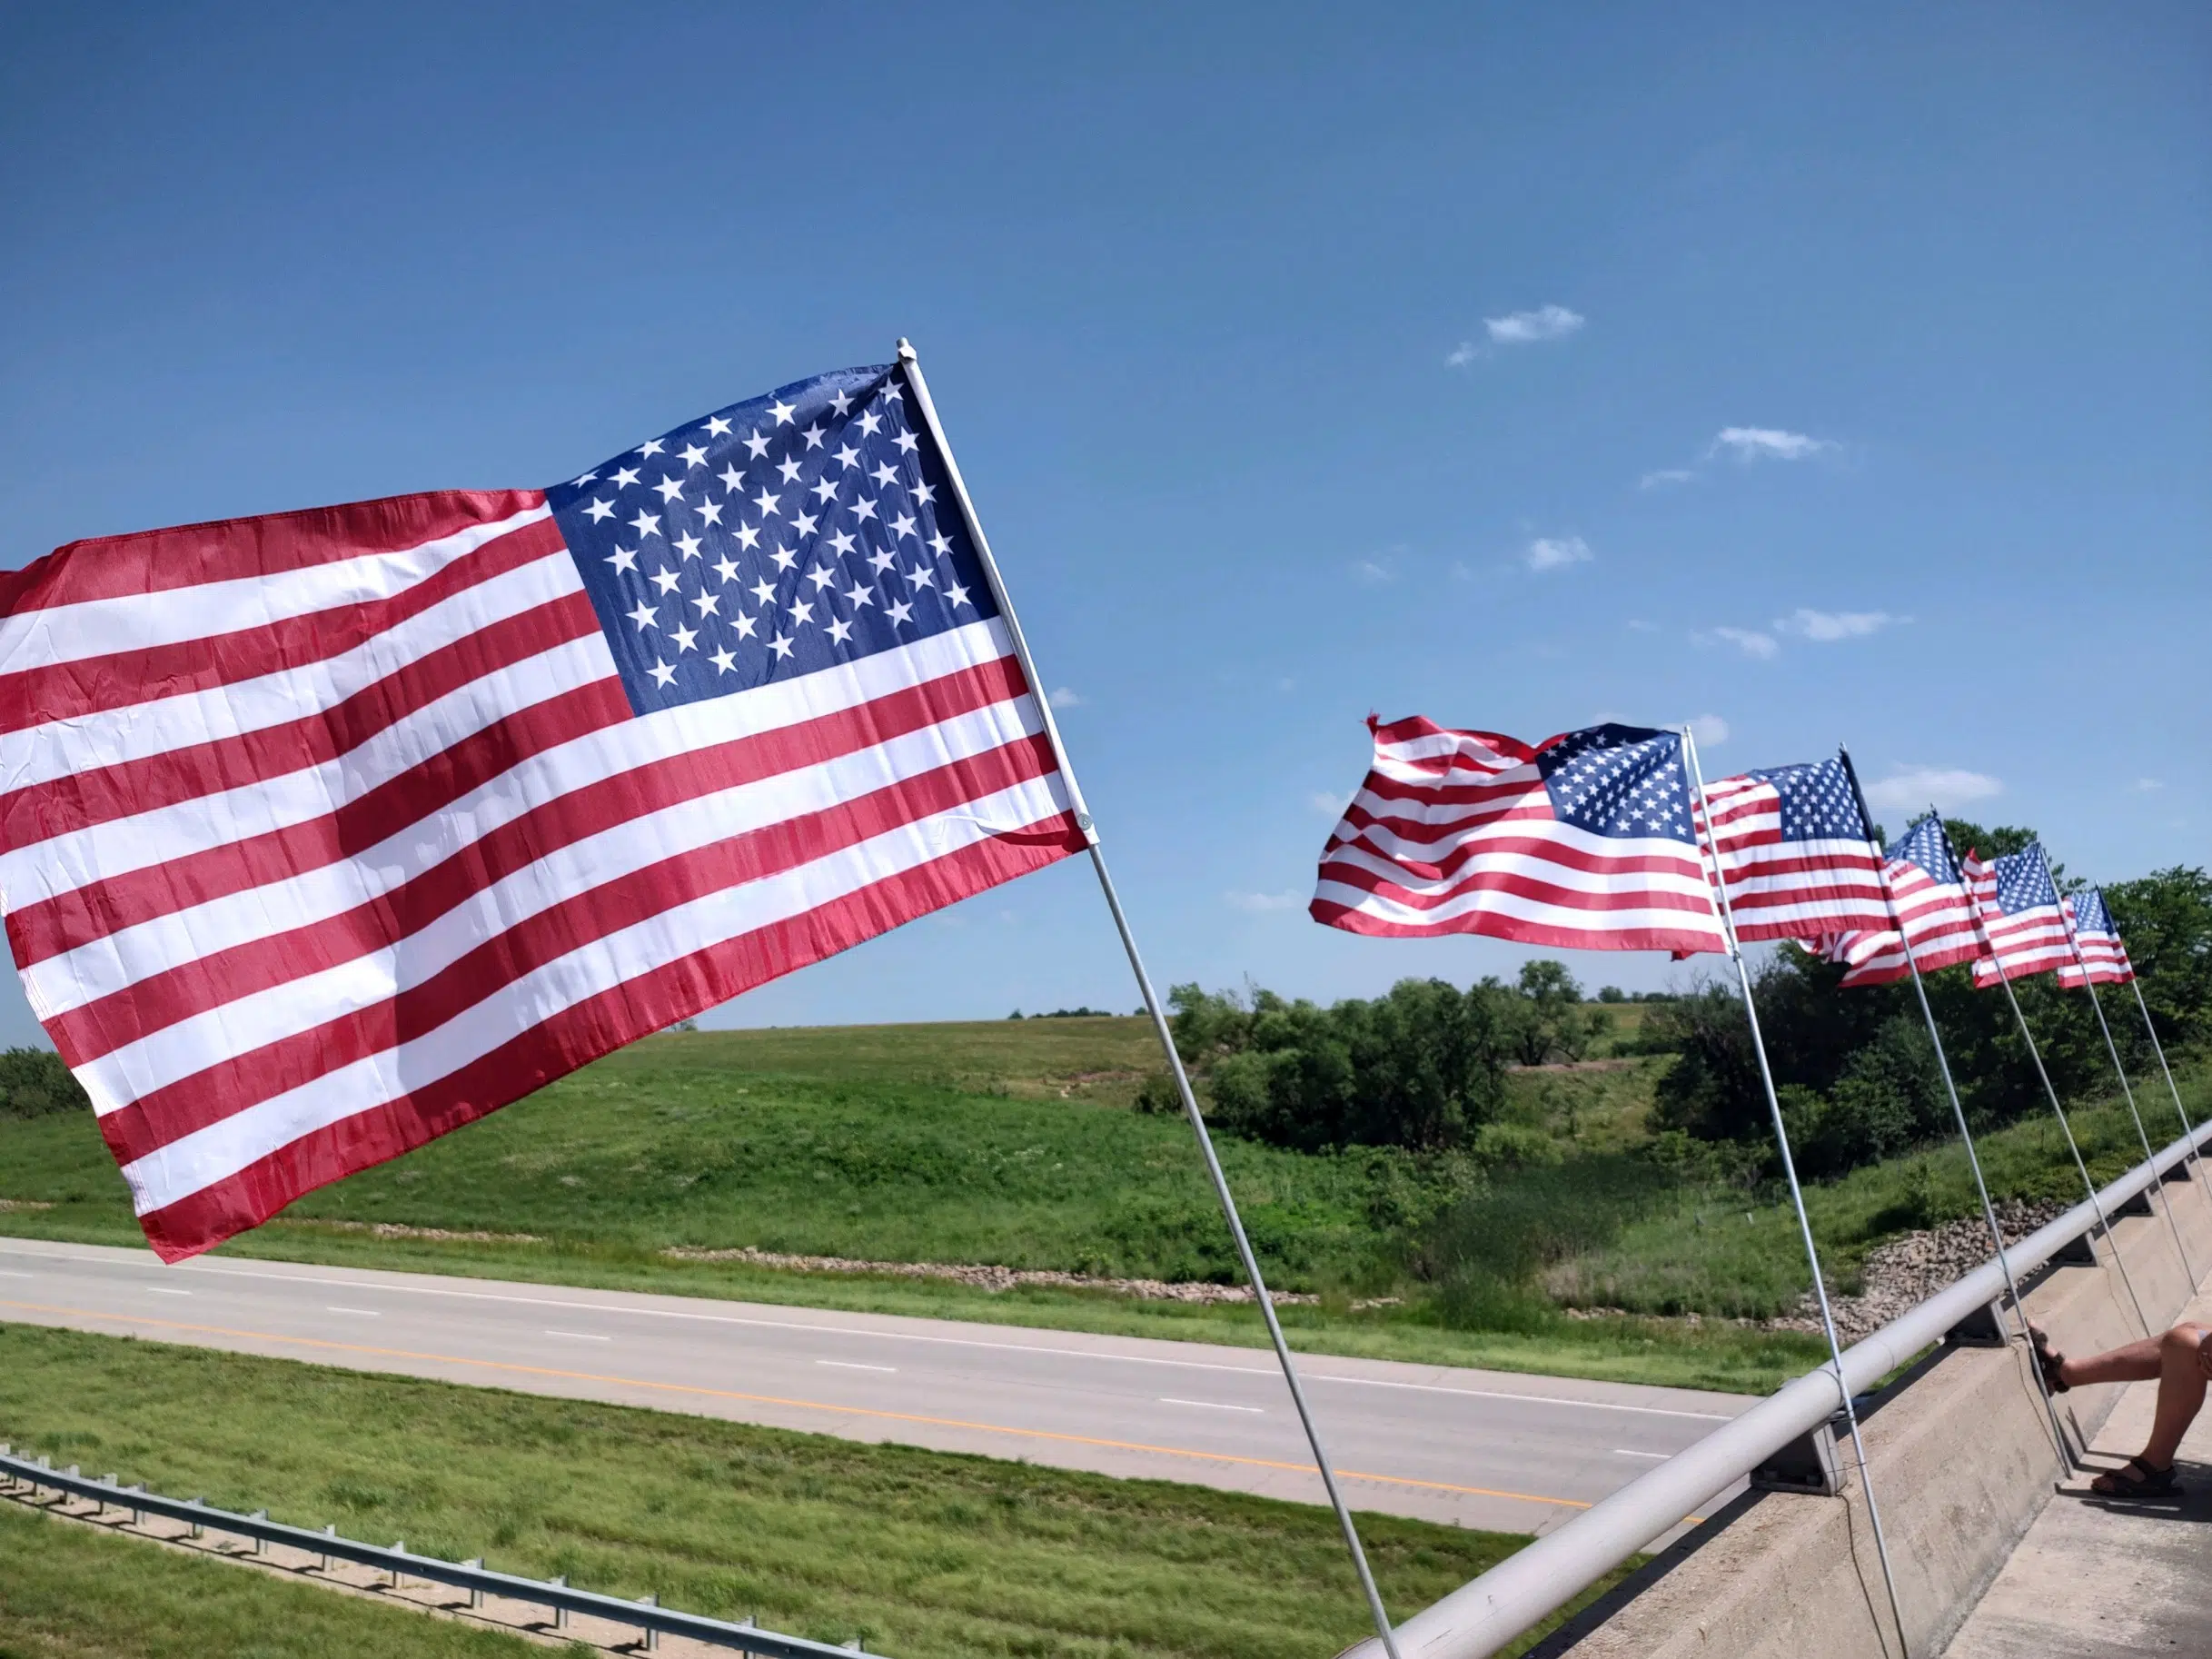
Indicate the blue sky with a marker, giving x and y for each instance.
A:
(1818, 375)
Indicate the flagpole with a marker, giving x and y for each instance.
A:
(2158, 1048)
(1943, 1065)
(910, 364)
(1719, 878)
(2127, 1089)
(1982, 932)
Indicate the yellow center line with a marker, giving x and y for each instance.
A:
(771, 1399)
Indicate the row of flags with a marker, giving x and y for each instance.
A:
(1596, 841)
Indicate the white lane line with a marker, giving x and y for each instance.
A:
(580, 1336)
(164, 1290)
(1213, 1406)
(1621, 1451)
(365, 1313)
(957, 1342)
(848, 1364)
(6, 1274)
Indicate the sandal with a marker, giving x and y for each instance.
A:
(2154, 1483)
(2047, 1361)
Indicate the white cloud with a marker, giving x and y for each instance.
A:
(1910, 788)
(1462, 354)
(1636, 624)
(1661, 477)
(1374, 568)
(1828, 625)
(1709, 730)
(2148, 784)
(1750, 642)
(1258, 904)
(1064, 698)
(1556, 553)
(1767, 443)
(1528, 327)
(1326, 803)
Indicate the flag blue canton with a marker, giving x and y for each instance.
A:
(1817, 802)
(773, 538)
(2023, 883)
(1927, 847)
(1620, 780)
(2090, 914)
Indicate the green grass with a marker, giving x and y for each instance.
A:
(920, 1554)
(70, 1593)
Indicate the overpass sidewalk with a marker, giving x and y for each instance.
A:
(2096, 1578)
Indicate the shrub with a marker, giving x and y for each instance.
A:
(34, 1082)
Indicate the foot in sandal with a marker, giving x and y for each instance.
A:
(2135, 1478)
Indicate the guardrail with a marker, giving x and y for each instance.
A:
(649, 1618)
(1482, 1616)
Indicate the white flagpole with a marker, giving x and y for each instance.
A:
(1719, 877)
(2158, 1048)
(1943, 1065)
(2127, 1089)
(1982, 932)
(911, 365)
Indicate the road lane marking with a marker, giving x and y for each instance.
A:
(850, 1364)
(768, 1399)
(1213, 1406)
(580, 1336)
(365, 1313)
(960, 1342)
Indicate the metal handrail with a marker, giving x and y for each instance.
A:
(471, 1575)
(1484, 1616)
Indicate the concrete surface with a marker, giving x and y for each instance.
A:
(1963, 1463)
(2097, 1578)
(1481, 1448)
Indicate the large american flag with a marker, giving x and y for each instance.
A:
(1932, 902)
(1797, 858)
(1582, 841)
(2100, 944)
(2019, 907)
(327, 832)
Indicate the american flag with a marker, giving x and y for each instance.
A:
(327, 832)
(1797, 858)
(2100, 944)
(1930, 901)
(1582, 841)
(2019, 907)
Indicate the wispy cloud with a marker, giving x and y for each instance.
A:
(1661, 478)
(1373, 567)
(1528, 327)
(1636, 624)
(1910, 788)
(1327, 804)
(1766, 443)
(1064, 698)
(1709, 730)
(1517, 328)
(1825, 626)
(1259, 904)
(2145, 785)
(1556, 553)
(1749, 640)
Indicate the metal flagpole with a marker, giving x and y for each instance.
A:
(1943, 1065)
(1981, 931)
(2112, 1049)
(2158, 1048)
(1797, 1195)
(911, 365)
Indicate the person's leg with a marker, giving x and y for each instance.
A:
(2137, 1361)
(2182, 1394)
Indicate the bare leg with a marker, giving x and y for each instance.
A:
(2138, 1362)
(2181, 1393)
(2177, 1360)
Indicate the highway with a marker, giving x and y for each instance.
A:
(1481, 1448)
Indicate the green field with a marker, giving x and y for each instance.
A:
(1015, 1143)
(920, 1554)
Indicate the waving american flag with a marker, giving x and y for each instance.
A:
(1931, 901)
(325, 833)
(2100, 944)
(2019, 909)
(1582, 841)
(1797, 858)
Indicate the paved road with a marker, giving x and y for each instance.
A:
(1488, 1449)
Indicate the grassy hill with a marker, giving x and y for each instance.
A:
(1014, 1143)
